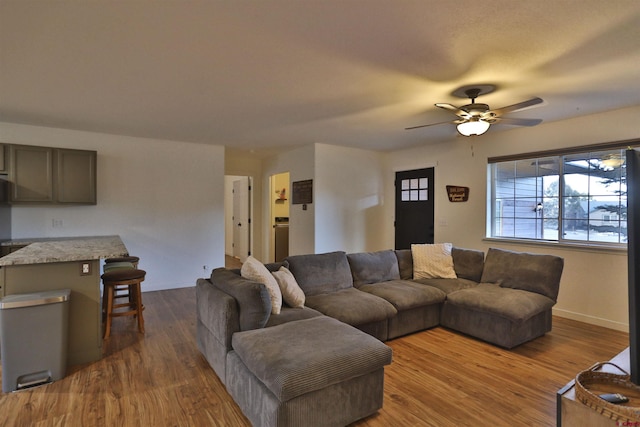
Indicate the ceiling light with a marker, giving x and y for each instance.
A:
(474, 126)
(612, 161)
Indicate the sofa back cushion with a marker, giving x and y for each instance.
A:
(373, 267)
(405, 263)
(321, 273)
(468, 263)
(254, 302)
(520, 270)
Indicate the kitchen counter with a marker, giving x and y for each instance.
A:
(64, 263)
(66, 249)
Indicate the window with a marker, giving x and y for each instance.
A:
(579, 196)
(415, 189)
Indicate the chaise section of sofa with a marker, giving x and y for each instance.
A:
(314, 372)
(513, 302)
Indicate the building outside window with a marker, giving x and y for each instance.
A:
(577, 196)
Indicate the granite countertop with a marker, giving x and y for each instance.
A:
(65, 249)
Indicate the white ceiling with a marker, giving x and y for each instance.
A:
(264, 74)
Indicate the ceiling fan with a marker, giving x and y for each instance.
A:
(475, 118)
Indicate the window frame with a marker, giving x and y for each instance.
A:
(559, 154)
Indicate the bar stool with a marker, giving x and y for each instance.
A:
(119, 262)
(131, 278)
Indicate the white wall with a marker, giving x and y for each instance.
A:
(594, 282)
(164, 198)
(348, 195)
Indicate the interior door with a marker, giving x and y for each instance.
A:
(241, 218)
(414, 207)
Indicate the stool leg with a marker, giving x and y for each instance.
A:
(138, 302)
(109, 309)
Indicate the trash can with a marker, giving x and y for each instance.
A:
(34, 335)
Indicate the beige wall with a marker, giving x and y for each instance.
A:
(300, 164)
(164, 198)
(348, 194)
(246, 164)
(594, 283)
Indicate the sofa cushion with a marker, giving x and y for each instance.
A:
(404, 294)
(405, 263)
(468, 263)
(448, 285)
(254, 302)
(373, 267)
(519, 270)
(290, 314)
(321, 273)
(432, 261)
(300, 357)
(352, 306)
(514, 304)
(292, 294)
(253, 269)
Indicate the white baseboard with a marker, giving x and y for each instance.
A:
(592, 320)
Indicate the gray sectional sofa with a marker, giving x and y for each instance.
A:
(323, 364)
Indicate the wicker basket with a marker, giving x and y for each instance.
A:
(593, 379)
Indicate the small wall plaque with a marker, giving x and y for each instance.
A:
(457, 193)
(302, 192)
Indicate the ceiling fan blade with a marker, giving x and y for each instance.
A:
(458, 112)
(517, 122)
(519, 106)
(432, 124)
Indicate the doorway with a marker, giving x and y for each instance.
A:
(414, 207)
(238, 226)
(279, 184)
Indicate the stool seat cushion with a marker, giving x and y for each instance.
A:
(122, 274)
(132, 259)
(325, 352)
(115, 265)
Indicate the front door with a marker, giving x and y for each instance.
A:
(414, 207)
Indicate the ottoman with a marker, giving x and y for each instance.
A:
(312, 372)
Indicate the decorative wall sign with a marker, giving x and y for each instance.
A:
(457, 194)
(302, 192)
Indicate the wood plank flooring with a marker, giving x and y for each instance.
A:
(437, 378)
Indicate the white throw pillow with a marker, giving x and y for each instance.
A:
(433, 261)
(253, 269)
(292, 294)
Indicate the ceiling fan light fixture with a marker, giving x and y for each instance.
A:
(474, 126)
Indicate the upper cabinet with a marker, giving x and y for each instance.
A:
(76, 176)
(31, 174)
(45, 175)
(3, 159)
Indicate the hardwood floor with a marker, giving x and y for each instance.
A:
(437, 378)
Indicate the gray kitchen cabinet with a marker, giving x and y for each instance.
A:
(76, 176)
(46, 175)
(3, 158)
(31, 174)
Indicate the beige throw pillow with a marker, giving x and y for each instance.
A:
(292, 294)
(433, 261)
(253, 269)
